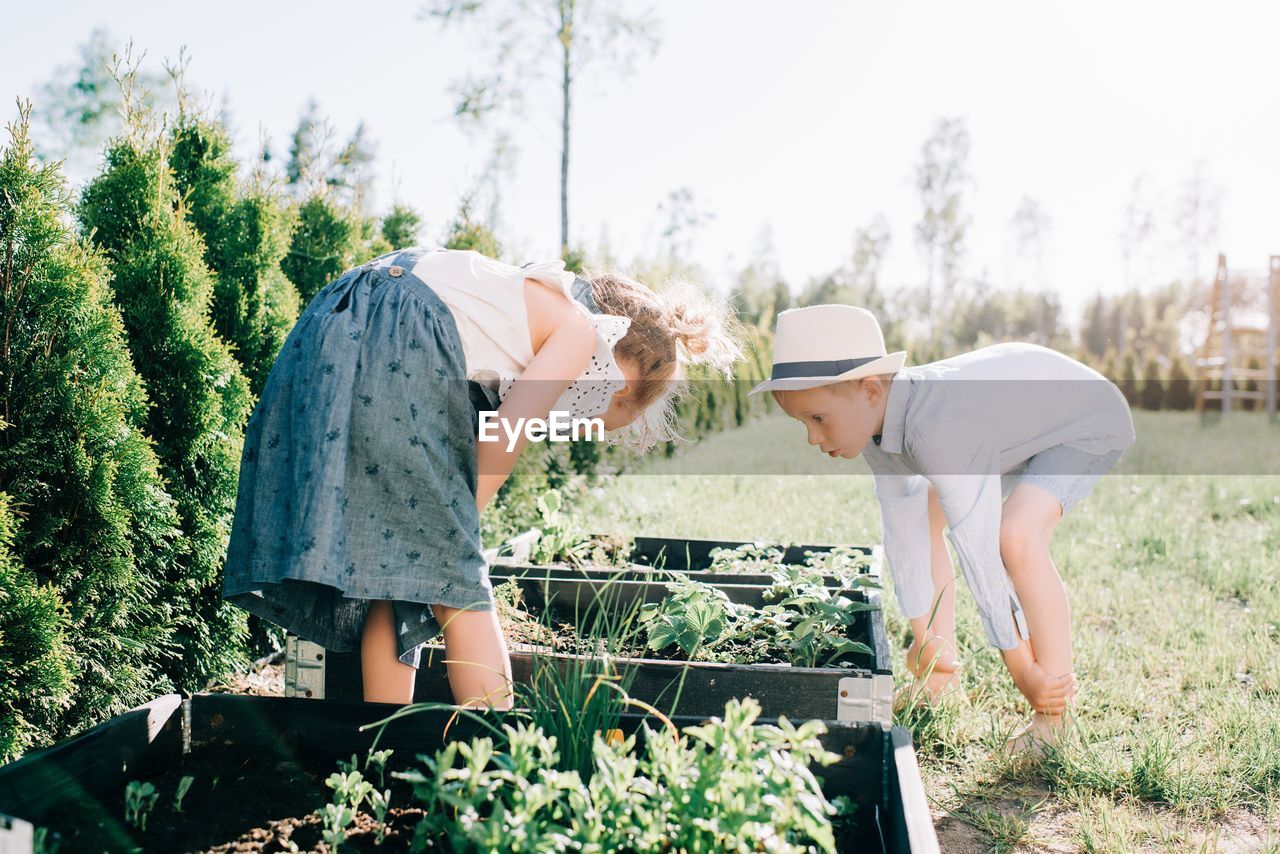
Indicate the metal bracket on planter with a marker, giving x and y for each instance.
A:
(303, 668)
(877, 563)
(863, 700)
(16, 836)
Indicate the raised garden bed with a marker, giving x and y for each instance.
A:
(259, 765)
(692, 556)
(860, 688)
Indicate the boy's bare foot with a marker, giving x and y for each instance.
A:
(1033, 740)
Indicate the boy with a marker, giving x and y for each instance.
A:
(947, 441)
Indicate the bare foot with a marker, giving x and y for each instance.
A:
(1033, 740)
(937, 686)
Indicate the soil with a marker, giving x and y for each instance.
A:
(264, 680)
(238, 802)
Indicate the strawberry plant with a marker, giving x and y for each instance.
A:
(561, 541)
(843, 562)
(817, 618)
(755, 558)
(806, 624)
(695, 616)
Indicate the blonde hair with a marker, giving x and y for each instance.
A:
(670, 329)
(845, 387)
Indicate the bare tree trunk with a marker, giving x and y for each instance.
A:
(946, 319)
(933, 323)
(566, 37)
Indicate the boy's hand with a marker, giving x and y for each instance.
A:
(1047, 694)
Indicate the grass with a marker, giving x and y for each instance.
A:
(1175, 595)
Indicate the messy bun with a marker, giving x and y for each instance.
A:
(680, 325)
(702, 327)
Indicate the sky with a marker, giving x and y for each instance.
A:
(805, 117)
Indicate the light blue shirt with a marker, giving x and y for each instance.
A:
(960, 423)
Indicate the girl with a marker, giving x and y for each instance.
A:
(362, 480)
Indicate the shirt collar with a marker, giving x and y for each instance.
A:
(889, 439)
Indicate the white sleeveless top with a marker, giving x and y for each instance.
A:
(486, 298)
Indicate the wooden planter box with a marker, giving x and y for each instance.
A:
(678, 554)
(877, 770)
(505, 568)
(863, 692)
(860, 693)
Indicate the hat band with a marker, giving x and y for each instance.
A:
(828, 368)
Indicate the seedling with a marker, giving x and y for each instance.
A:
(184, 785)
(559, 540)
(139, 800)
(337, 817)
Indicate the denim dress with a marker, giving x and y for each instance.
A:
(358, 474)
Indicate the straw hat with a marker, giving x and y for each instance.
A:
(824, 344)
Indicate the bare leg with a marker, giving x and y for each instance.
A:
(387, 679)
(1042, 667)
(932, 656)
(479, 664)
(479, 668)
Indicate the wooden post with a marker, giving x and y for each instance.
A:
(1271, 363)
(1225, 294)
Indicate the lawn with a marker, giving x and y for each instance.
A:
(1175, 598)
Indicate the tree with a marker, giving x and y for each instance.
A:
(759, 294)
(858, 282)
(246, 237)
(1152, 393)
(401, 226)
(305, 147)
(1153, 321)
(1196, 216)
(199, 398)
(325, 244)
(1128, 378)
(35, 662)
(466, 233)
(870, 245)
(532, 39)
(80, 105)
(87, 531)
(313, 165)
(349, 175)
(1111, 366)
(1093, 328)
(1135, 247)
(333, 231)
(1180, 392)
(1030, 225)
(683, 218)
(942, 178)
(254, 308)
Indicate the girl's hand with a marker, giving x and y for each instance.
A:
(562, 340)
